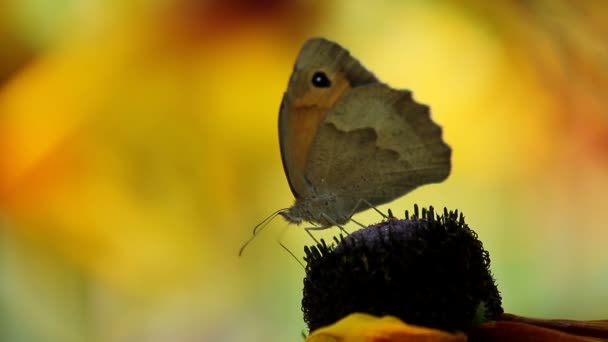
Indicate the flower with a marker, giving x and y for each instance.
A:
(422, 278)
(426, 270)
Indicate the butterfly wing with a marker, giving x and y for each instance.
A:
(376, 144)
(306, 104)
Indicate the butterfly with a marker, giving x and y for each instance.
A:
(350, 142)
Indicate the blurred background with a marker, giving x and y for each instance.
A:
(139, 147)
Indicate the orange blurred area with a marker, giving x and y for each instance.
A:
(139, 147)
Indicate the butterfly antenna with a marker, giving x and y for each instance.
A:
(292, 255)
(258, 228)
(280, 241)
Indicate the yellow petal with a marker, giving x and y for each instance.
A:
(360, 327)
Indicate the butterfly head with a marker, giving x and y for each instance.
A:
(292, 216)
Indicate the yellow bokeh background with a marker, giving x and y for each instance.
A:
(139, 147)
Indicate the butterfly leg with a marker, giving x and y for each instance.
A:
(359, 204)
(334, 223)
(309, 231)
(357, 222)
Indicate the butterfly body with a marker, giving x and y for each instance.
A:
(322, 208)
(349, 141)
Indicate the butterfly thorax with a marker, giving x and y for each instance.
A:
(320, 209)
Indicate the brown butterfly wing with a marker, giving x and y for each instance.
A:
(376, 144)
(304, 106)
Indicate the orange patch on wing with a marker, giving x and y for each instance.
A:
(303, 120)
(304, 125)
